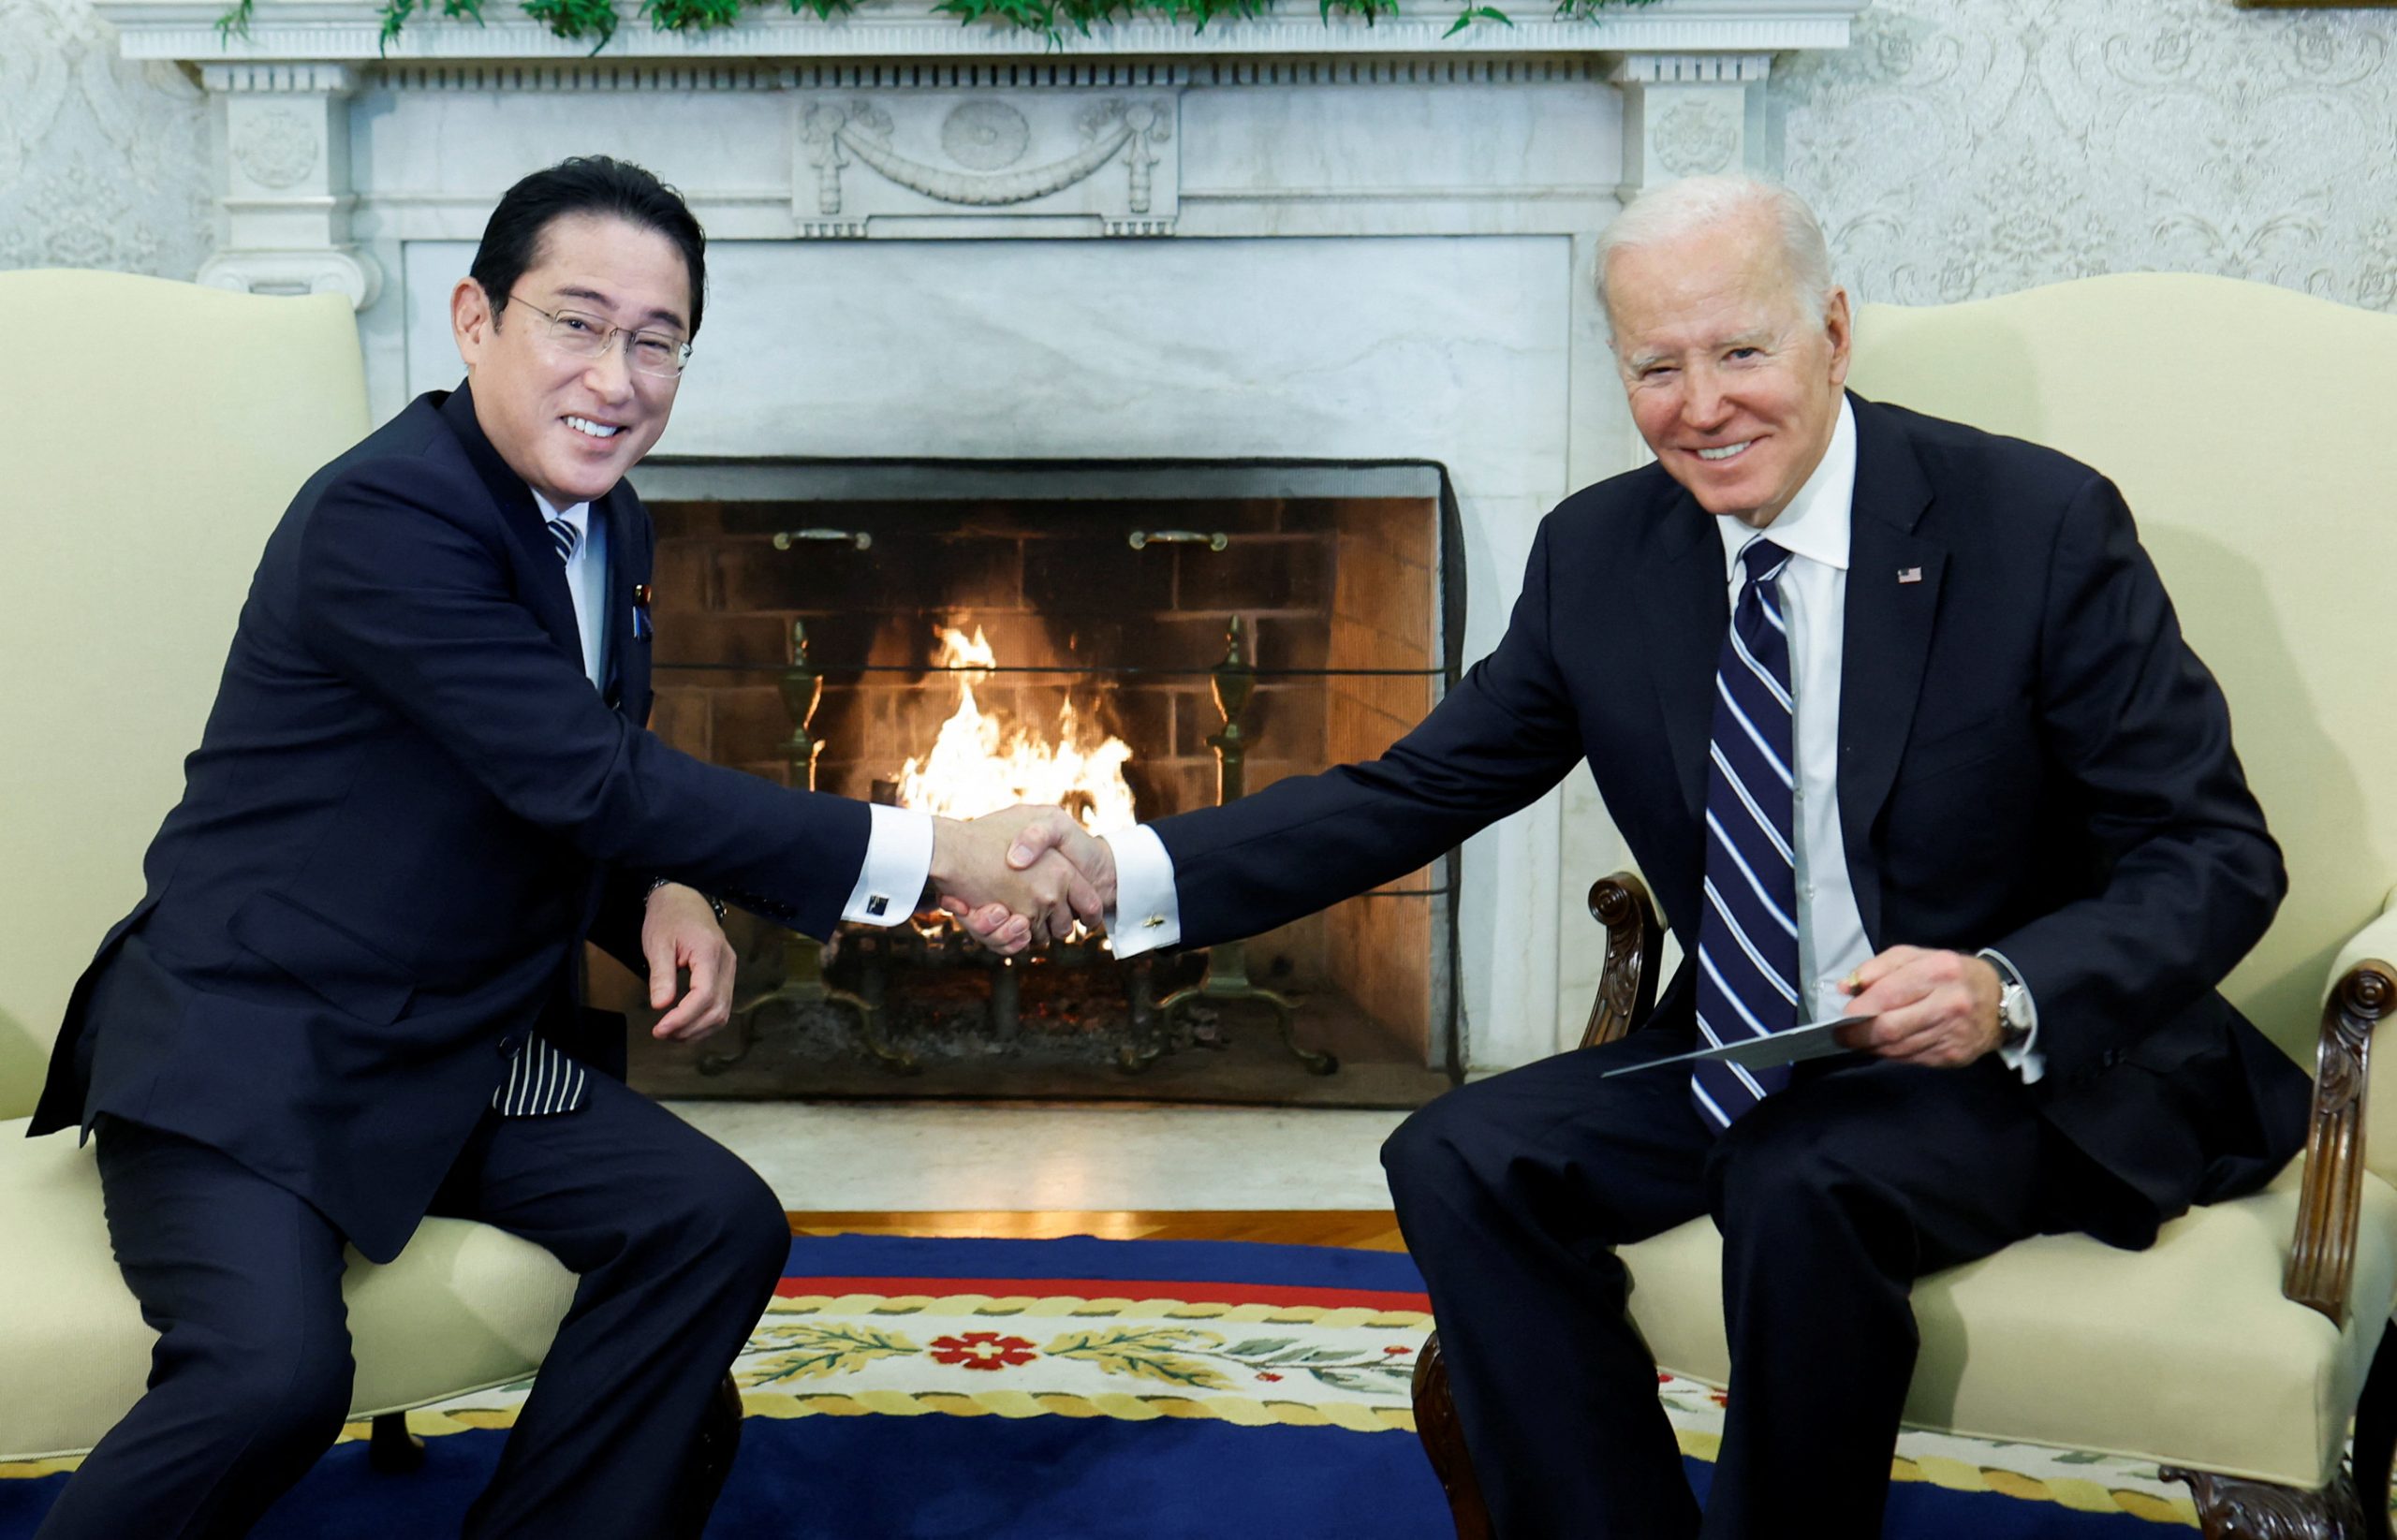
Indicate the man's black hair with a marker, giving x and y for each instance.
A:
(585, 185)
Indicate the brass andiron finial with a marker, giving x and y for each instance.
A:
(1227, 976)
(804, 982)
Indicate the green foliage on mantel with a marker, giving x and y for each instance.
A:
(595, 20)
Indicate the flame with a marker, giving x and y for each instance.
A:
(980, 762)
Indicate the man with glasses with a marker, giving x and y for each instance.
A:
(349, 997)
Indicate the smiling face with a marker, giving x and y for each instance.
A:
(572, 427)
(1734, 385)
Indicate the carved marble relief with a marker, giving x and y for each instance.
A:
(1098, 155)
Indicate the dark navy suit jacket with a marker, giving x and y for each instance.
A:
(2031, 758)
(408, 811)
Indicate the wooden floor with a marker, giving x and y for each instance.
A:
(1367, 1230)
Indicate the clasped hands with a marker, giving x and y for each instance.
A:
(1021, 875)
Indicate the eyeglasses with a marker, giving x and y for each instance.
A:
(584, 336)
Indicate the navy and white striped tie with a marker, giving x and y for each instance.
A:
(540, 1079)
(1747, 934)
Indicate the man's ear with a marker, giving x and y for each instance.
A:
(472, 321)
(1837, 325)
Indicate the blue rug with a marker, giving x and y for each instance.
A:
(1152, 1390)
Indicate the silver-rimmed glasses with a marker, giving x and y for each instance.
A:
(586, 336)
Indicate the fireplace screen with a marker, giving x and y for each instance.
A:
(1128, 642)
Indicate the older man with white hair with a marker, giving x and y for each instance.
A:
(1898, 722)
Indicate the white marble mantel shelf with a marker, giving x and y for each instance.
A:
(347, 31)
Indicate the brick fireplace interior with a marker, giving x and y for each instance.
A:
(1104, 596)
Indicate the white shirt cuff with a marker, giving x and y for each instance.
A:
(2024, 1058)
(898, 864)
(1147, 915)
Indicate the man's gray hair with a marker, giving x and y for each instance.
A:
(1683, 207)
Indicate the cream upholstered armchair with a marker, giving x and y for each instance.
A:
(2249, 428)
(149, 451)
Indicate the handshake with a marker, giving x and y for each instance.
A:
(1022, 875)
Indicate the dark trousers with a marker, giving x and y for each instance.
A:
(1831, 1196)
(678, 1244)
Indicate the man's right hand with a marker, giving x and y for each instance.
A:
(1008, 903)
(1044, 838)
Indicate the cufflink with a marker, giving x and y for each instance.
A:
(877, 905)
(1152, 922)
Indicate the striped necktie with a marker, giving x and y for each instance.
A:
(1747, 936)
(540, 1079)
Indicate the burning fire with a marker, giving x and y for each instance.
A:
(981, 763)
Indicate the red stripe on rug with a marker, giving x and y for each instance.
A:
(1115, 1289)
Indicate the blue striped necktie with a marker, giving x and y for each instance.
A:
(540, 1079)
(1747, 936)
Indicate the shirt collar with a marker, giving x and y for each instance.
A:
(1815, 523)
(578, 514)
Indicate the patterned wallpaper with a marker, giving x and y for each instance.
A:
(103, 163)
(1964, 148)
(1961, 148)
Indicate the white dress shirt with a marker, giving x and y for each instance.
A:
(899, 842)
(586, 581)
(1831, 943)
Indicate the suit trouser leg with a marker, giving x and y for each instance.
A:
(1833, 1197)
(251, 1376)
(1513, 1193)
(679, 1246)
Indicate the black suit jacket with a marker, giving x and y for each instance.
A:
(2031, 758)
(407, 812)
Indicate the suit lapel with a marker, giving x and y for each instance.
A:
(543, 589)
(1684, 612)
(1894, 577)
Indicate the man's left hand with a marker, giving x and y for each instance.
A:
(1935, 1008)
(679, 933)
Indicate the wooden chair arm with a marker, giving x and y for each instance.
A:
(1436, 1424)
(1627, 987)
(2322, 1257)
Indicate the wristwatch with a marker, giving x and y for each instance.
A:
(2013, 1015)
(2016, 1016)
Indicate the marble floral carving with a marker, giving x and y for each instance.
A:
(1962, 150)
(276, 148)
(103, 163)
(1695, 139)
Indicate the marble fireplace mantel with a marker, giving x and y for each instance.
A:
(1274, 240)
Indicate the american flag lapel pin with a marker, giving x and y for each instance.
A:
(1909, 574)
(640, 612)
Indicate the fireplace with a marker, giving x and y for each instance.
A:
(1100, 616)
